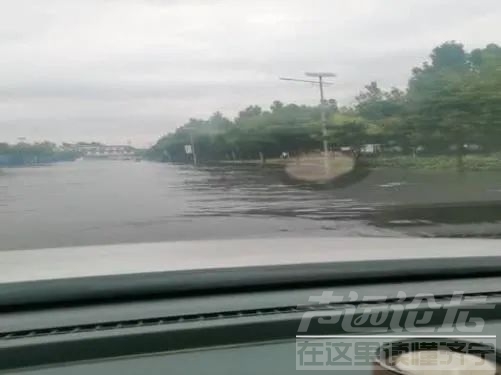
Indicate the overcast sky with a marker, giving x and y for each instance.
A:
(133, 70)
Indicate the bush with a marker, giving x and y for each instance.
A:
(471, 162)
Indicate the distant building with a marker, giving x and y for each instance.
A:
(98, 150)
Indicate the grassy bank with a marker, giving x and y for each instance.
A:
(471, 162)
(311, 167)
(268, 162)
(490, 162)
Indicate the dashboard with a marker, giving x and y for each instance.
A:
(242, 332)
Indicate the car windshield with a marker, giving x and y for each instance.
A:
(125, 122)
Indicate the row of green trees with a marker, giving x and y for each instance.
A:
(452, 100)
(24, 153)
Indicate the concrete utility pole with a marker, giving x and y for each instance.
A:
(323, 105)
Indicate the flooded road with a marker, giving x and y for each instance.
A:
(105, 202)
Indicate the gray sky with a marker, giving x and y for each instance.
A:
(119, 70)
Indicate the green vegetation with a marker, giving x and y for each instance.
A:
(451, 102)
(470, 162)
(24, 153)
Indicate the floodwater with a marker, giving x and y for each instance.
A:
(107, 202)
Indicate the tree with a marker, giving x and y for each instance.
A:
(375, 104)
(276, 106)
(451, 100)
(250, 111)
(348, 129)
(441, 102)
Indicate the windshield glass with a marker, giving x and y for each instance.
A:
(144, 121)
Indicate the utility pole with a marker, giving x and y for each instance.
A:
(193, 148)
(323, 115)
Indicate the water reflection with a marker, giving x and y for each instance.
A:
(410, 202)
(460, 219)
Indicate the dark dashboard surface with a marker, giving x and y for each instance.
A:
(100, 313)
(245, 332)
(264, 358)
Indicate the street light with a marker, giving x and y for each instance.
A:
(321, 83)
(320, 74)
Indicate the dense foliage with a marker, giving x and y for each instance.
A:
(451, 102)
(24, 153)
